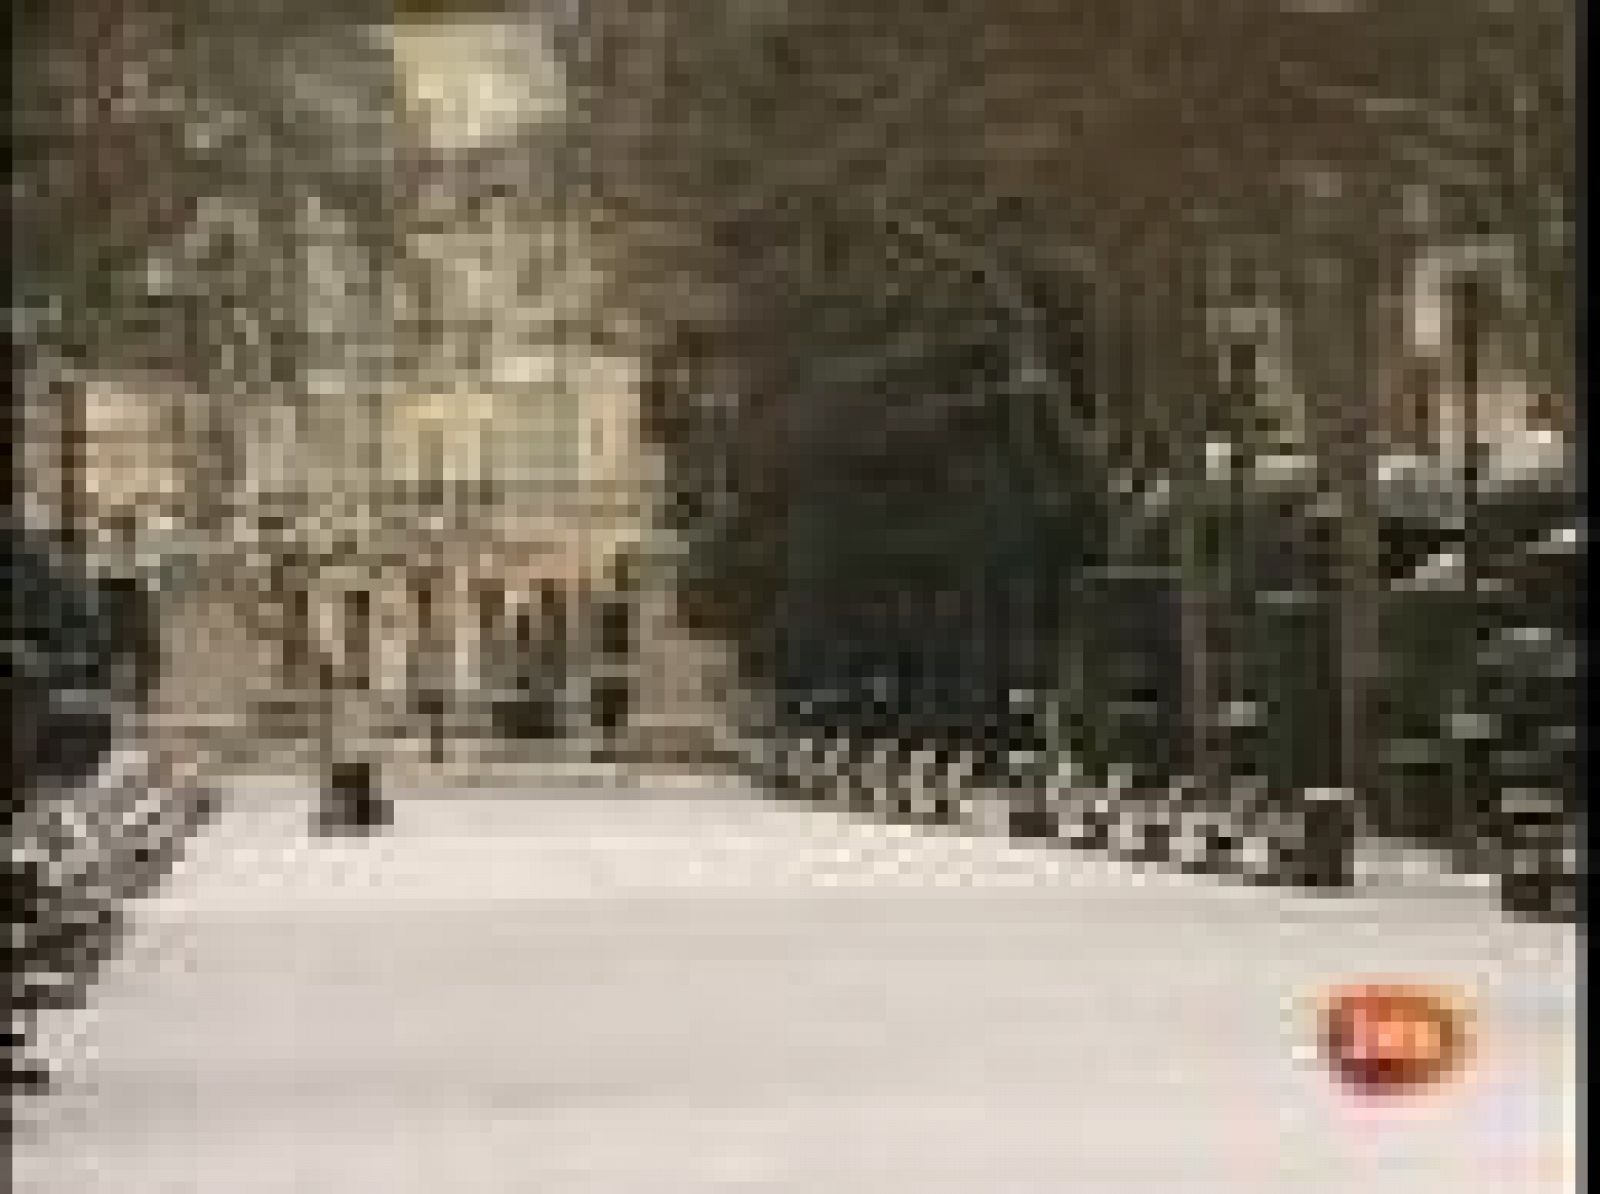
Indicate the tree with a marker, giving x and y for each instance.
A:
(175, 168)
(1147, 139)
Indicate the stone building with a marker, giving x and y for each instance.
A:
(370, 386)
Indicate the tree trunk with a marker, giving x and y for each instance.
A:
(1182, 386)
(1335, 320)
(1196, 614)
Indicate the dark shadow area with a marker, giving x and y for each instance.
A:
(896, 443)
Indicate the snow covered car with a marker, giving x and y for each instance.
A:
(91, 824)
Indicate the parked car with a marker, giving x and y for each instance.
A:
(90, 822)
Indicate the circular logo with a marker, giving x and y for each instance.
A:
(1389, 1039)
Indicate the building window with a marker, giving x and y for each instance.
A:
(1419, 392)
(1243, 368)
(1546, 413)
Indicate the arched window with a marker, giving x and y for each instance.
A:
(1463, 308)
(1254, 373)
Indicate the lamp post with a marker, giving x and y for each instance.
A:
(1467, 314)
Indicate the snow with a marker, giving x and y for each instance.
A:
(679, 991)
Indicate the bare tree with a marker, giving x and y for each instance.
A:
(1153, 133)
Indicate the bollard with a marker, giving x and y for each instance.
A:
(1328, 838)
(351, 801)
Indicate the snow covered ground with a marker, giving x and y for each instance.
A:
(700, 990)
